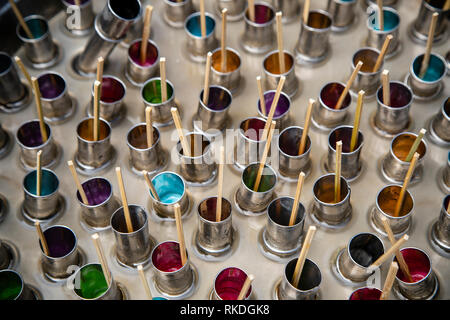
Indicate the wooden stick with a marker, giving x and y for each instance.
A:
(337, 176)
(304, 137)
(162, 68)
(262, 100)
(223, 45)
(298, 191)
(100, 67)
(38, 173)
(102, 258)
(21, 20)
(380, 15)
(144, 281)
(386, 88)
(302, 257)
(180, 234)
(387, 254)
(348, 85)
(206, 84)
(77, 2)
(126, 209)
(37, 98)
(146, 33)
(273, 107)
(408, 176)
(247, 283)
(42, 238)
(202, 18)
(148, 126)
(382, 53)
(77, 182)
(355, 130)
(401, 261)
(24, 70)
(281, 61)
(97, 88)
(426, 57)
(415, 145)
(389, 280)
(446, 6)
(220, 185)
(264, 157)
(448, 208)
(177, 121)
(150, 185)
(306, 11)
(251, 10)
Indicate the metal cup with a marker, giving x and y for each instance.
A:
(101, 203)
(47, 204)
(366, 293)
(342, 13)
(89, 284)
(424, 285)
(366, 79)
(420, 27)
(312, 45)
(214, 237)
(281, 115)
(12, 287)
(111, 104)
(440, 235)
(255, 202)
(289, 8)
(308, 284)
(5, 256)
(82, 24)
(386, 3)
(171, 277)
(176, 12)
(231, 78)
(63, 252)
(117, 17)
(272, 72)
(57, 105)
(395, 118)
(325, 210)
(171, 190)
(249, 144)
(430, 85)
(440, 125)
(14, 95)
(259, 35)
(351, 160)
(134, 32)
(394, 167)
(236, 8)
(151, 96)
(290, 162)
(132, 248)
(377, 37)
(198, 46)
(93, 156)
(29, 139)
(446, 173)
(362, 250)
(325, 116)
(41, 51)
(228, 284)
(137, 72)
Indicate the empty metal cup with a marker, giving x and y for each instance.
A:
(440, 234)
(440, 125)
(377, 37)
(394, 167)
(312, 45)
(136, 71)
(89, 283)
(367, 79)
(231, 77)
(14, 95)
(176, 12)
(419, 28)
(12, 287)
(198, 46)
(351, 165)
(79, 18)
(366, 293)
(272, 72)
(151, 96)
(431, 84)
(228, 284)
(117, 17)
(236, 8)
(281, 115)
(342, 13)
(249, 143)
(289, 8)
(308, 284)
(259, 35)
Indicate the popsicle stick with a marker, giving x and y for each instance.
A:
(448, 208)
(387, 254)
(355, 131)
(251, 10)
(24, 70)
(401, 261)
(146, 33)
(298, 191)
(21, 20)
(100, 67)
(386, 88)
(426, 57)
(446, 6)
(262, 100)
(415, 145)
(337, 176)
(180, 234)
(348, 85)
(177, 121)
(148, 126)
(220, 185)
(273, 107)
(382, 52)
(150, 185)
(223, 40)
(380, 15)
(102, 258)
(38, 172)
(162, 69)
(206, 83)
(77, 2)
(301, 148)
(42, 238)
(97, 87)
(302, 257)
(264, 157)
(202, 18)
(281, 61)
(389, 280)
(77, 182)
(247, 283)
(141, 272)
(37, 98)
(126, 209)
(408, 176)
(306, 11)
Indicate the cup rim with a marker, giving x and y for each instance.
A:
(302, 220)
(137, 65)
(19, 276)
(359, 234)
(143, 124)
(34, 40)
(322, 30)
(260, 25)
(258, 107)
(98, 141)
(100, 204)
(366, 287)
(181, 197)
(358, 149)
(214, 222)
(331, 204)
(280, 74)
(304, 154)
(186, 265)
(220, 73)
(324, 105)
(385, 32)
(242, 133)
(122, 18)
(222, 88)
(41, 197)
(62, 78)
(208, 148)
(258, 192)
(396, 108)
(41, 146)
(220, 272)
(391, 149)
(156, 105)
(144, 225)
(195, 14)
(115, 79)
(416, 78)
(388, 216)
(367, 49)
(75, 246)
(104, 293)
(424, 278)
(299, 290)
